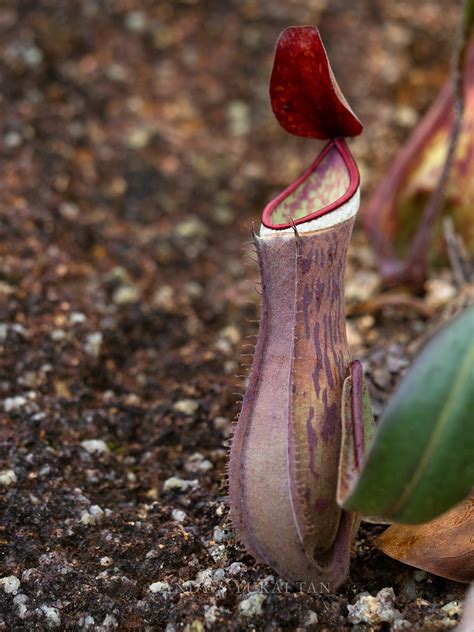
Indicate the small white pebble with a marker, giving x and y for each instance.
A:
(96, 511)
(14, 403)
(95, 446)
(230, 333)
(118, 273)
(218, 575)
(181, 484)
(372, 610)
(28, 574)
(236, 568)
(139, 137)
(193, 289)
(354, 339)
(221, 423)
(117, 72)
(191, 228)
(452, 609)
(58, 334)
(106, 561)
(238, 115)
(77, 318)
(223, 345)
(86, 518)
(136, 21)
(439, 293)
(186, 406)
(194, 626)
(406, 116)
(7, 477)
(219, 534)
(210, 614)
(197, 463)
(204, 578)
(70, 211)
(93, 515)
(164, 297)
(110, 622)
(93, 344)
(218, 553)
(220, 510)
(20, 603)
(159, 587)
(52, 616)
(252, 606)
(227, 339)
(223, 215)
(33, 55)
(311, 619)
(126, 294)
(400, 624)
(3, 332)
(178, 515)
(10, 584)
(19, 329)
(362, 286)
(12, 139)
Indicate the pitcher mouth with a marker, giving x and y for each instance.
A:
(329, 184)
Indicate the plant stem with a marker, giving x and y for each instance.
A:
(415, 265)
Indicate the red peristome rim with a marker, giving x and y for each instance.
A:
(354, 181)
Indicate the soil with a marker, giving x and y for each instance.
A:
(138, 148)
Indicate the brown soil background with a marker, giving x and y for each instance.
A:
(138, 146)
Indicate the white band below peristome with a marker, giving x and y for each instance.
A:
(337, 216)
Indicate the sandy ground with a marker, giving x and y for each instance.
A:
(138, 146)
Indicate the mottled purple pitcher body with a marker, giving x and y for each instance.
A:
(290, 424)
(285, 454)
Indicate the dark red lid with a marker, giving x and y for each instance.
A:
(305, 97)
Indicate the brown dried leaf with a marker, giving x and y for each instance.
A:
(444, 546)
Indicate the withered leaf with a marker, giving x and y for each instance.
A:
(444, 546)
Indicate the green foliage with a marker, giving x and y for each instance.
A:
(420, 462)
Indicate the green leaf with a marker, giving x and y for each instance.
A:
(468, 17)
(421, 460)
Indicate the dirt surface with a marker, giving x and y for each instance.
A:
(137, 147)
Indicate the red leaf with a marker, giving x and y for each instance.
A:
(305, 97)
(392, 214)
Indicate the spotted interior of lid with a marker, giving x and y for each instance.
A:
(327, 183)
